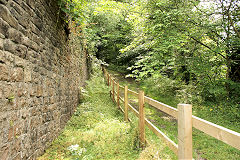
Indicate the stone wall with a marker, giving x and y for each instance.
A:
(39, 77)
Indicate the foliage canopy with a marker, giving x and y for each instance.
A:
(192, 45)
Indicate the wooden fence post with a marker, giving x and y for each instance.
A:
(109, 84)
(185, 131)
(108, 79)
(113, 90)
(118, 95)
(141, 119)
(126, 103)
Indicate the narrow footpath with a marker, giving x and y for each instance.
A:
(97, 130)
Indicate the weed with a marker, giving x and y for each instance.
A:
(204, 146)
(96, 130)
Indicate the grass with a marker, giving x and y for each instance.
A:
(97, 131)
(204, 146)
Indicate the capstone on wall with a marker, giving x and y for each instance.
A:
(39, 77)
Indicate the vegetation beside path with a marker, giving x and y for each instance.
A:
(97, 131)
(204, 147)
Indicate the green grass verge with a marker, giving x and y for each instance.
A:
(204, 146)
(96, 130)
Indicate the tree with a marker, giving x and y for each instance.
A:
(194, 42)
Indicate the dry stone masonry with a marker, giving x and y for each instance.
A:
(39, 77)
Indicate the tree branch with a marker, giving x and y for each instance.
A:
(206, 46)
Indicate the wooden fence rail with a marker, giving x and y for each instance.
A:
(183, 114)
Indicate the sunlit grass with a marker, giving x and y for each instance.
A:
(204, 146)
(96, 130)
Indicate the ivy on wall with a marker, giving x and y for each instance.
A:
(73, 9)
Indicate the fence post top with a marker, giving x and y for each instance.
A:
(184, 105)
(141, 91)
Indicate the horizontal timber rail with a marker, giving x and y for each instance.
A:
(183, 114)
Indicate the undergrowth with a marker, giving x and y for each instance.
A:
(96, 130)
(204, 146)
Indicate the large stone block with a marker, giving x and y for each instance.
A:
(31, 3)
(1, 35)
(2, 57)
(8, 90)
(9, 46)
(39, 91)
(27, 74)
(3, 27)
(3, 1)
(34, 46)
(14, 35)
(6, 16)
(4, 152)
(27, 9)
(9, 58)
(21, 103)
(26, 41)
(17, 74)
(4, 72)
(17, 7)
(21, 51)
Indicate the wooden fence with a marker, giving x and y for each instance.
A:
(183, 114)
